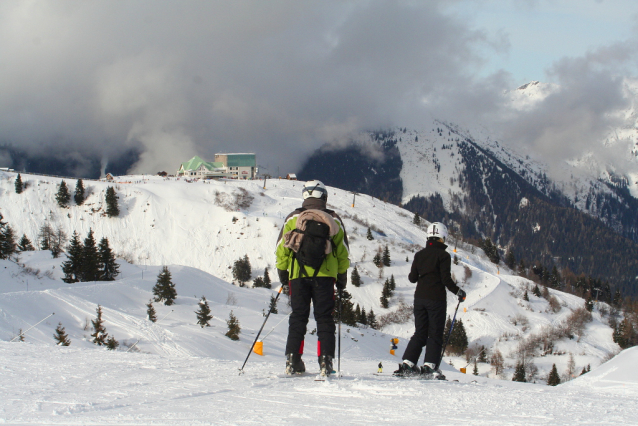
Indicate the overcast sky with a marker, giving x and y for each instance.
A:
(280, 78)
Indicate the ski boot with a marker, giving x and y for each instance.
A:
(294, 364)
(325, 365)
(407, 369)
(430, 372)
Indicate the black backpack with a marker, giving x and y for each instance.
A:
(312, 250)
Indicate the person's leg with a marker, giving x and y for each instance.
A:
(300, 297)
(436, 326)
(323, 302)
(420, 336)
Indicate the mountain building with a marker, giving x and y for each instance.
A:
(233, 166)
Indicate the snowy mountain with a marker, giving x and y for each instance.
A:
(175, 372)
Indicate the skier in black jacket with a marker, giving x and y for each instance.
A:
(431, 271)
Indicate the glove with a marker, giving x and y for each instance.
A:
(461, 295)
(342, 280)
(283, 276)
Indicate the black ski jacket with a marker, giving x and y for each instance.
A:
(431, 271)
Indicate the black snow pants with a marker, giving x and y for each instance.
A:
(429, 321)
(319, 291)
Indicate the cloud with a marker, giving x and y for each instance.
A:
(173, 80)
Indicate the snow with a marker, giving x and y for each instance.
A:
(175, 372)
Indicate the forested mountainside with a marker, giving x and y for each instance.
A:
(446, 175)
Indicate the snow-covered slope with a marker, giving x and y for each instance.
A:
(199, 230)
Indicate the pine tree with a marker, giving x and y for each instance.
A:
(273, 305)
(79, 193)
(526, 296)
(417, 219)
(112, 344)
(90, 266)
(164, 289)
(355, 278)
(589, 303)
(392, 284)
(519, 374)
(8, 245)
(553, 379)
(344, 299)
(386, 257)
(491, 251)
(233, 327)
(357, 313)
(386, 293)
(510, 259)
(242, 270)
(72, 268)
(150, 311)
(63, 197)
(108, 267)
(267, 281)
(584, 371)
(475, 370)
(25, 244)
(363, 318)
(536, 291)
(258, 282)
(45, 236)
(18, 185)
(376, 260)
(617, 299)
(372, 320)
(112, 208)
(57, 242)
(456, 260)
(522, 268)
(61, 337)
(369, 235)
(99, 332)
(458, 339)
(203, 314)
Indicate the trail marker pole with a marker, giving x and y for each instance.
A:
(25, 332)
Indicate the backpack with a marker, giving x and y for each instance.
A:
(312, 244)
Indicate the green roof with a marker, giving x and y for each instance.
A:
(196, 162)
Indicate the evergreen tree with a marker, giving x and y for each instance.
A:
(344, 299)
(376, 260)
(112, 208)
(475, 370)
(203, 314)
(90, 266)
(242, 270)
(417, 219)
(46, 236)
(522, 268)
(386, 293)
(61, 337)
(372, 320)
(8, 244)
(79, 193)
(617, 299)
(553, 379)
(355, 278)
(18, 185)
(526, 296)
(482, 357)
(72, 268)
(25, 244)
(584, 371)
(456, 259)
(112, 344)
(233, 327)
(357, 313)
(267, 281)
(150, 311)
(108, 267)
(164, 289)
(392, 284)
(63, 197)
(273, 305)
(258, 282)
(99, 332)
(386, 257)
(510, 259)
(589, 303)
(369, 235)
(363, 318)
(458, 338)
(536, 291)
(519, 374)
(491, 251)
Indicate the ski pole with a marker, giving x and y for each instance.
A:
(25, 332)
(438, 364)
(339, 345)
(277, 325)
(241, 370)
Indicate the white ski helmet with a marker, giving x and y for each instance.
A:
(314, 189)
(437, 230)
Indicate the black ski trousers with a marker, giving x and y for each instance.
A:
(319, 291)
(429, 321)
